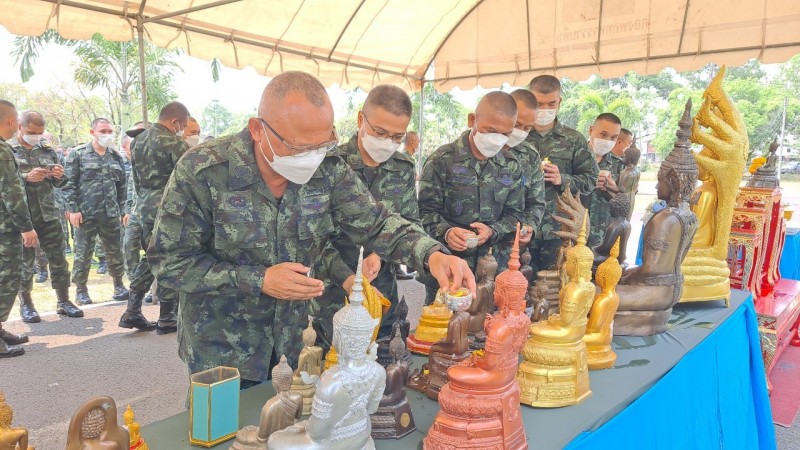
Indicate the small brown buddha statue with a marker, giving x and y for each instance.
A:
(432, 326)
(310, 362)
(280, 411)
(483, 303)
(134, 430)
(619, 229)
(401, 325)
(599, 329)
(554, 371)
(449, 351)
(766, 176)
(393, 418)
(540, 305)
(11, 438)
(629, 177)
(648, 292)
(480, 403)
(94, 427)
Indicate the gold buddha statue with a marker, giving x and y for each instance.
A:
(721, 163)
(94, 427)
(11, 438)
(599, 328)
(554, 371)
(375, 303)
(278, 413)
(134, 430)
(480, 403)
(648, 292)
(432, 326)
(310, 363)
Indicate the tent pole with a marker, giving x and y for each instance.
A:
(421, 114)
(142, 81)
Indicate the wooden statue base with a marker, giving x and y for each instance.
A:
(392, 422)
(483, 420)
(777, 313)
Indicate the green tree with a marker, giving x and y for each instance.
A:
(444, 119)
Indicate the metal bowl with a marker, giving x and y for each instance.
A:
(458, 300)
(472, 241)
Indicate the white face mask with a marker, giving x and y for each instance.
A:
(105, 140)
(602, 146)
(32, 139)
(516, 138)
(193, 141)
(545, 116)
(297, 169)
(378, 149)
(489, 144)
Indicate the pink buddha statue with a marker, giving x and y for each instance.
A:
(480, 403)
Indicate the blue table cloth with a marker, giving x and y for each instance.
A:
(790, 258)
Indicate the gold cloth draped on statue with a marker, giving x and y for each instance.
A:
(721, 162)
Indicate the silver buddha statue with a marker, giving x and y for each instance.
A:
(348, 392)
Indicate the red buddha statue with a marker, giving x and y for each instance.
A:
(480, 403)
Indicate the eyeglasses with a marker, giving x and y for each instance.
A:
(383, 134)
(296, 150)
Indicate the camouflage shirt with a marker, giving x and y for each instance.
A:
(567, 149)
(95, 183)
(533, 180)
(219, 228)
(41, 195)
(14, 214)
(456, 190)
(154, 153)
(599, 207)
(392, 183)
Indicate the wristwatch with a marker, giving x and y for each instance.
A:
(436, 248)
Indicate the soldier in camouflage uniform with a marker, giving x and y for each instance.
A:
(15, 218)
(154, 154)
(41, 171)
(567, 162)
(603, 136)
(389, 175)
(470, 190)
(242, 222)
(95, 194)
(530, 162)
(61, 204)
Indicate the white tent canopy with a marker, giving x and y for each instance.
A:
(487, 42)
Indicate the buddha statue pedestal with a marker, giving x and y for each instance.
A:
(480, 403)
(554, 372)
(648, 292)
(432, 326)
(401, 326)
(393, 419)
(721, 163)
(599, 328)
(449, 351)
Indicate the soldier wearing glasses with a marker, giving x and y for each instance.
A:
(389, 175)
(246, 218)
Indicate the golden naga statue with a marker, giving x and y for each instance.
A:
(376, 305)
(134, 429)
(721, 163)
(599, 329)
(432, 326)
(554, 372)
(11, 438)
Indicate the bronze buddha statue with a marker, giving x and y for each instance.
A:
(629, 177)
(480, 403)
(540, 306)
(599, 328)
(554, 371)
(483, 303)
(278, 413)
(94, 427)
(766, 176)
(619, 229)
(11, 438)
(310, 362)
(648, 292)
(393, 419)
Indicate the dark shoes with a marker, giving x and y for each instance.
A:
(66, 307)
(41, 275)
(401, 274)
(82, 295)
(26, 309)
(120, 292)
(167, 318)
(9, 351)
(11, 338)
(133, 317)
(102, 268)
(148, 298)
